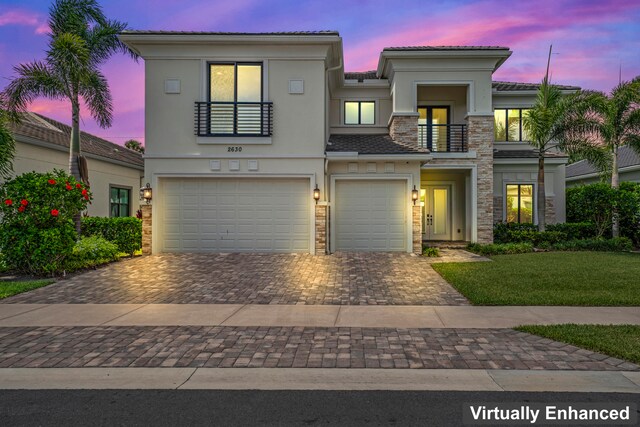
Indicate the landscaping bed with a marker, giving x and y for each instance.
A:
(549, 278)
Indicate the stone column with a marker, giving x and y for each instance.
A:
(550, 211)
(417, 229)
(481, 140)
(321, 229)
(146, 229)
(497, 209)
(403, 128)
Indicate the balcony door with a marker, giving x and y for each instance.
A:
(433, 132)
(236, 95)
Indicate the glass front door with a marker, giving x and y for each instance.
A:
(436, 212)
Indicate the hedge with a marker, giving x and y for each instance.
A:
(125, 232)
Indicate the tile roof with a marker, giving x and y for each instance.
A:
(50, 131)
(513, 86)
(369, 144)
(229, 33)
(360, 75)
(626, 157)
(444, 48)
(523, 154)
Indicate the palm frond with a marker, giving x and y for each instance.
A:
(103, 41)
(7, 146)
(74, 16)
(68, 53)
(34, 80)
(95, 91)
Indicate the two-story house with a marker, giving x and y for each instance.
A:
(262, 143)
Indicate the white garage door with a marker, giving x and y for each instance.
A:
(235, 215)
(371, 215)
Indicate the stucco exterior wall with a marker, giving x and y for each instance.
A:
(101, 174)
(298, 119)
(380, 95)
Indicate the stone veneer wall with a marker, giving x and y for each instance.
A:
(417, 229)
(481, 140)
(404, 129)
(550, 210)
(321, 229)
(146, 229)
(497, 209)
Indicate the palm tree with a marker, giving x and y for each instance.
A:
(134, 145)
(81, 38)
(613, 121)
(554, 123)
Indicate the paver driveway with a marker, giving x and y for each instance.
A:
(345, 279)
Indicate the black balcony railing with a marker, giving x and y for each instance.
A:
(443, 138)
(234, 118)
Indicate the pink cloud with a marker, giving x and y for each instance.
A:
(25, 18)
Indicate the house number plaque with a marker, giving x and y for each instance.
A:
(234, 149)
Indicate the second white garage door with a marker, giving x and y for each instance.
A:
(235, 215)
(371, 215)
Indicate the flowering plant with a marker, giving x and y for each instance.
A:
(36, 230)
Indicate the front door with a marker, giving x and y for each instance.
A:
(436, 212)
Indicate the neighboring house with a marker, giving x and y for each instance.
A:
(115, 173)
(241, 128)
(583, 172)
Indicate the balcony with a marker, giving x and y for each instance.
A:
(230, 119)
(440, 138)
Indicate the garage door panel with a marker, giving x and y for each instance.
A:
(230, 215)
(370, 215)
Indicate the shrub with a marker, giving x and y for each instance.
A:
(500, 248)
(575, 230)
(125, 232)
(503, 230)
(595, 203)
(430, 252)
(620, 244)
(91, 251)
(37, 232)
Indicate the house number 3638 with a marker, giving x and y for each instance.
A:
(234, 149)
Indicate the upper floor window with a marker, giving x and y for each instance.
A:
(359, 113)
(235, 104)
(119, 201)
(508, 124)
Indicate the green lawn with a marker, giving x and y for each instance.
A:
(549, 278)
(8, 289)
(621, 341)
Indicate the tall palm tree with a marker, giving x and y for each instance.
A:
(613, 121)
(554, 123)
(81, 38)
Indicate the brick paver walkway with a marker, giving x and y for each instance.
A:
(292, 347)
(344, 279)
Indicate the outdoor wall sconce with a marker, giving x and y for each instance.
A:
(414, 195)
(316, 194)
(146, 193)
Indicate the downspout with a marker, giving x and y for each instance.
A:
(326, 161)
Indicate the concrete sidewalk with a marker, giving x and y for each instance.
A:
(484, 317)
(319, 379)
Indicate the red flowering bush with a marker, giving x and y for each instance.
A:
(38, 233)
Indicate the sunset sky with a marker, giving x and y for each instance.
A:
(591, 38)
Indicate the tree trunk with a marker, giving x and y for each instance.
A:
(74, 144)
(74, 151)
(615, 222)
(542, 201)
